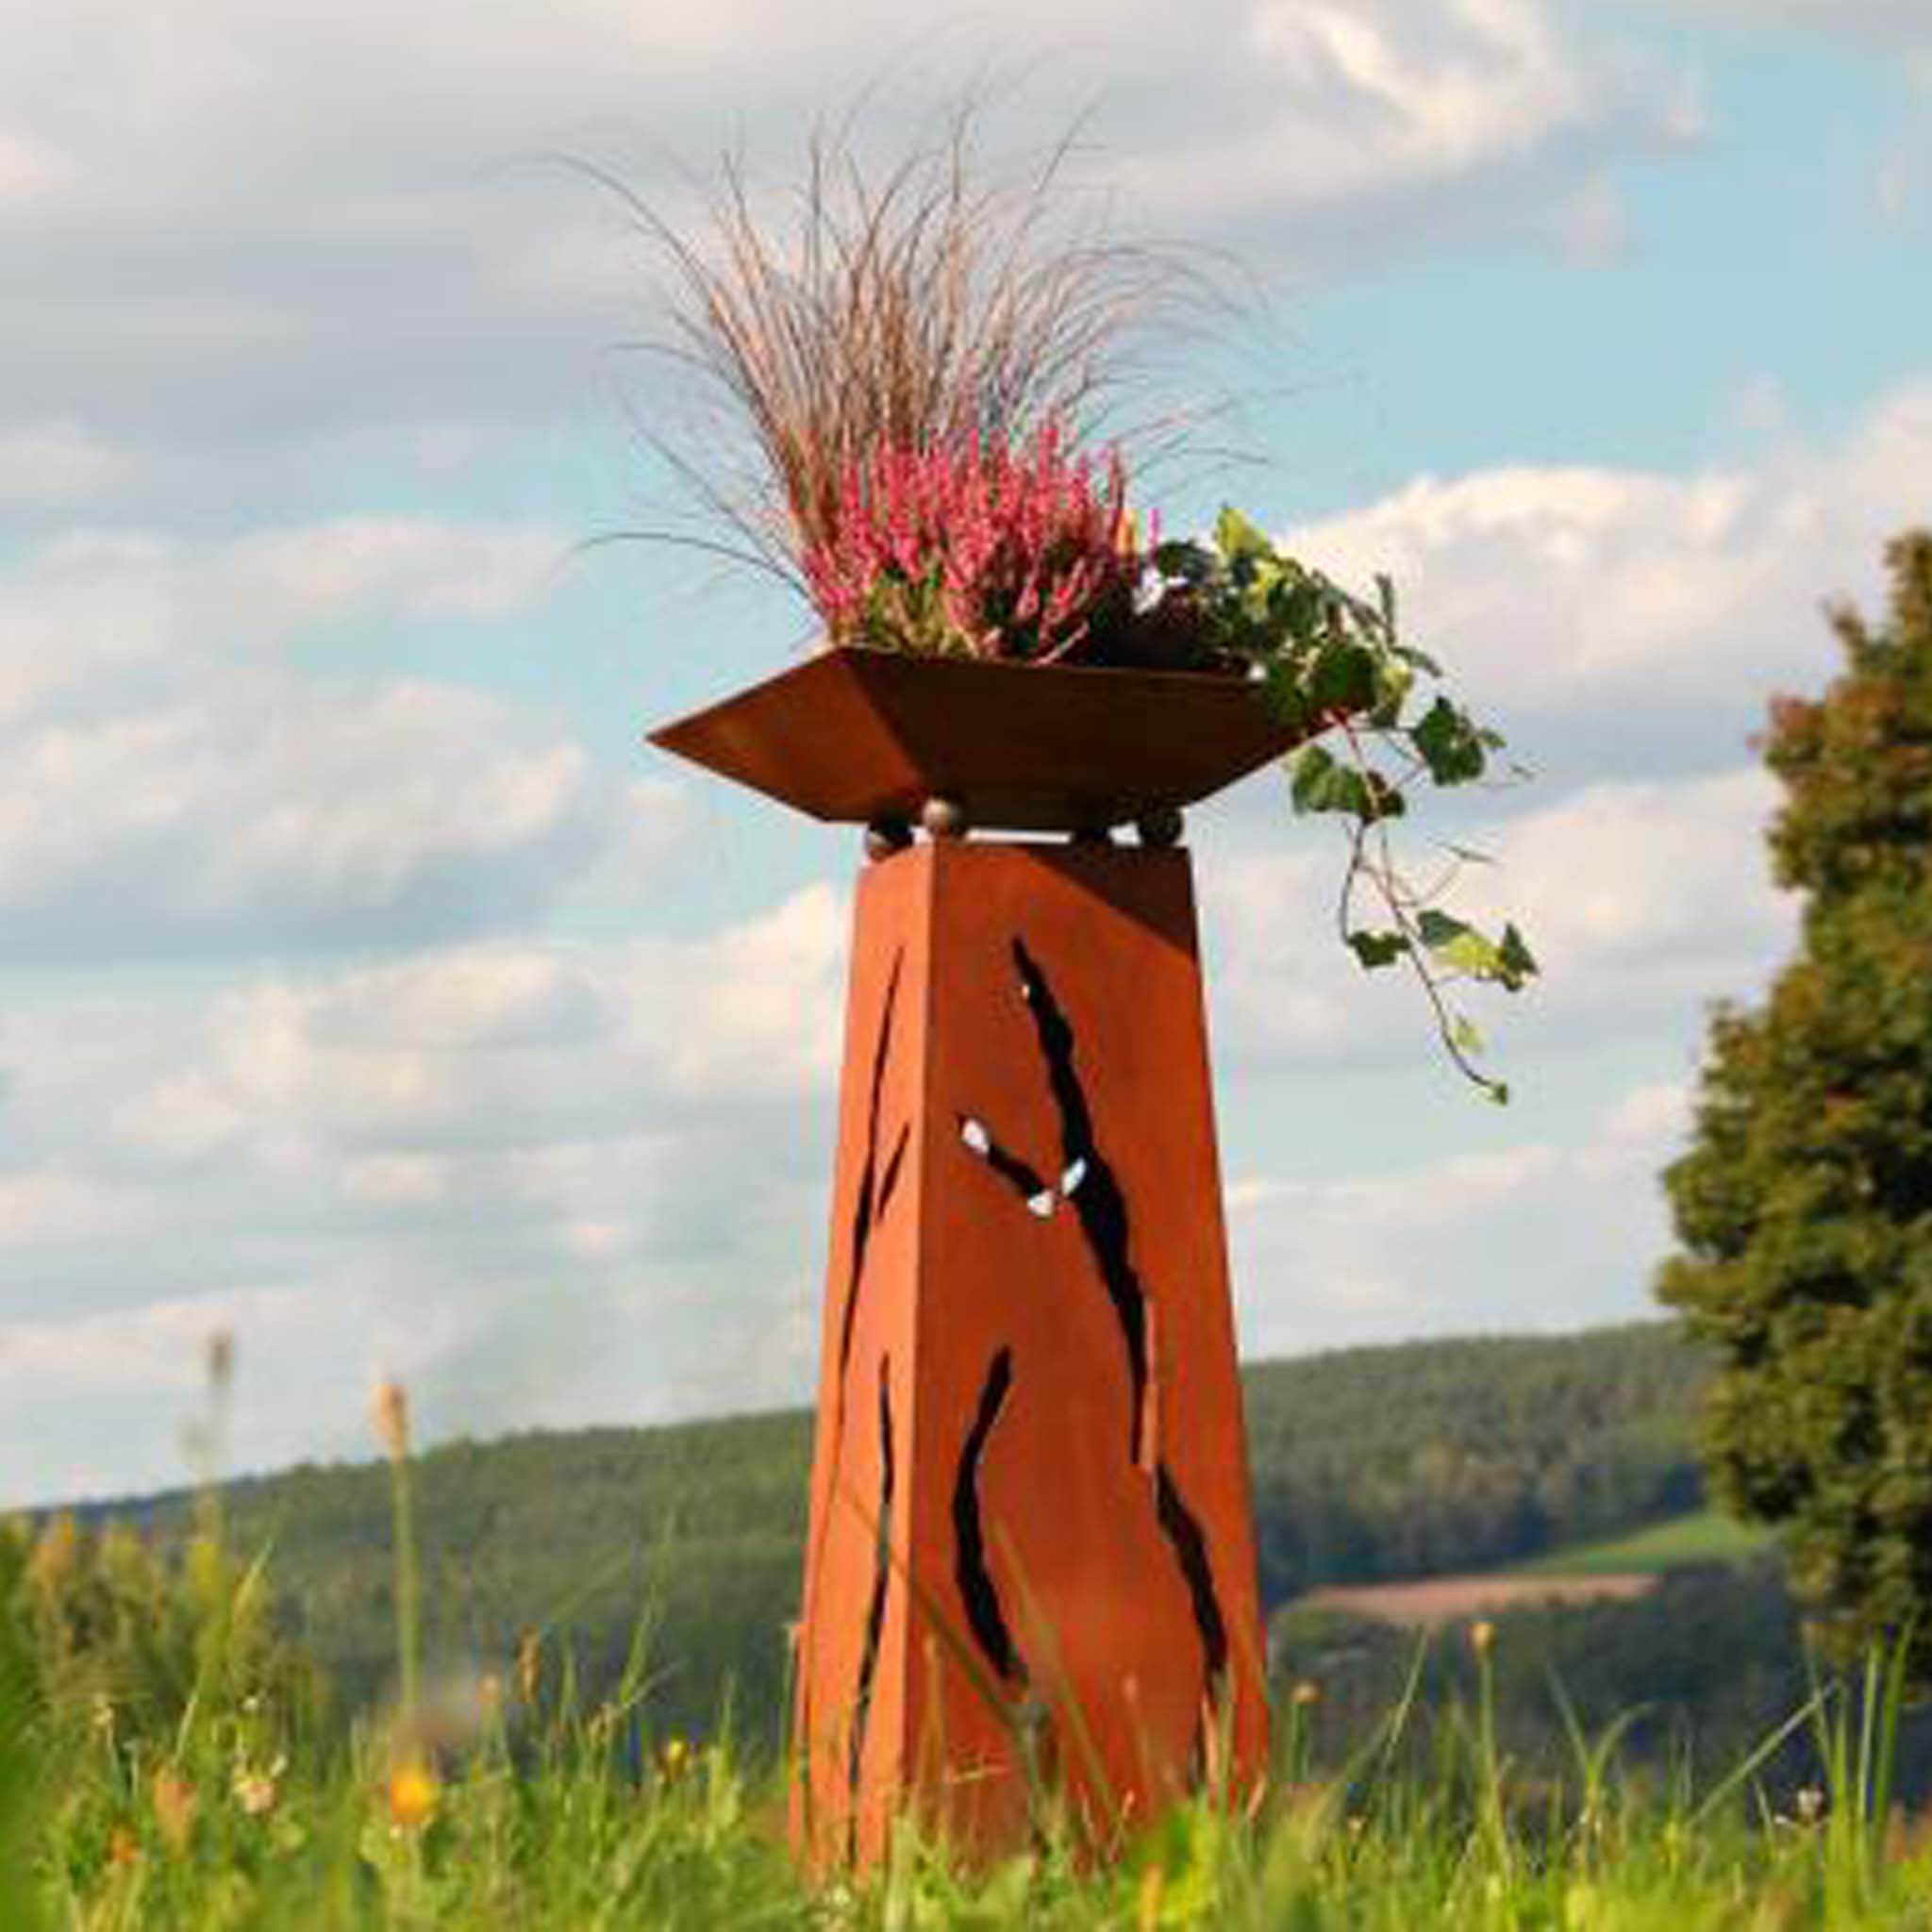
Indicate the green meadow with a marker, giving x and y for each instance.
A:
(163, 1765)
(1702, 1536)
(538, 1685)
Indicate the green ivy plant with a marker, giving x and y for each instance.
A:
(1335, 670)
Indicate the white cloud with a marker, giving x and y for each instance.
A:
(50, 463)
(397, 1180)
(258, 589)
(1337, 103)
(172, 781)
(1326, 110)
(285, 226)
(761, 1014)
(491, 1108)
(1642, 900)
(1530, 1235)
(522, 1045)
(356, 566)
(1660, 611)
(1640, 891)
(53, 1206)
(91, 617)
(182, 1117)
(160, 1346)
(545, 1180)
(283, 810)
(1640, 1132)
(103, 1404)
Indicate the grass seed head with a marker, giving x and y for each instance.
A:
(174, 1799)
(388, 1411)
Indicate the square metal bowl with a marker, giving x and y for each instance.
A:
(856, 734)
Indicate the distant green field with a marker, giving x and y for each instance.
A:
(1703, 1536)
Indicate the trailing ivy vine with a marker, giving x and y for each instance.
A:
(1337, 671)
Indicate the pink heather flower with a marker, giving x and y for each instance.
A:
(1008, 552)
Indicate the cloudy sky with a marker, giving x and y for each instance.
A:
(366, 990)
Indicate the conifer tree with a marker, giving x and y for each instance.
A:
(1804, 1207)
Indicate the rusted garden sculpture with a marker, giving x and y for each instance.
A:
(1030, 1556)
(1030, 1564)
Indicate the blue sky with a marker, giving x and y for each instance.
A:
(371, 993)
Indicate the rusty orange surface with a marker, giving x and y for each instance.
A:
(1030, 1538)
(861, 735)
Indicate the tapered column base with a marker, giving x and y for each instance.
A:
(1030, 1565)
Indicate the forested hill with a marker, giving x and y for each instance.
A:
(1374, 1463)
(1405, 1461)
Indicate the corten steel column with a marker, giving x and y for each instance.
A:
(1029, 1524)
(1030, 1561)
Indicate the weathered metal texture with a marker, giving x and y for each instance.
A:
(1029, 1370)
(862, 735)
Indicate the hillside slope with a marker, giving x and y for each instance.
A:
(1370, 1464)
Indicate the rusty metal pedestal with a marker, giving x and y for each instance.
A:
(1030, 1558)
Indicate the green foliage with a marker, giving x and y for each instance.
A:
(541, 1806)
(1332, 662)
(530, 1822)
(1805, 1206)
(1696, 1670)
(1703, 1535)
(1377, 1464)
(144, 1640)
(23, 1775)
(146, 1704)
(1369, 1465)
(567, 1537)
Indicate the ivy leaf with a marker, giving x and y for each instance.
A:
(1517, 963)
(1238, 539)
(1458, 945)
(1384, 800)
(1508, 962)
(1180, 557)
(1295, 605)
(1393, 683)
(1327, 658)
(1315, 780)
(1319, 782)
(1287, 695)
(1450, 747)
(1343, 679)
(1375, 949)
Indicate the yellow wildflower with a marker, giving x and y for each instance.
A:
(412, 1795)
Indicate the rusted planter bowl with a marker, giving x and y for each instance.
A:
(862, 736)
